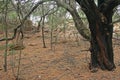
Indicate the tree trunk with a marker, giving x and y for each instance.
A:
(101, 39)
(101, 47)
(43, 25)
(100, 19)
(101, 43)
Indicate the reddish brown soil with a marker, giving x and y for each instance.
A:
(66, 61)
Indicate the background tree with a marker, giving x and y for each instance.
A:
(99, 17)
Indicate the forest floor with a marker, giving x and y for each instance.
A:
(67, 60)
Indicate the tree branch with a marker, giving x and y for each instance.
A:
(22, 22)
(82, 29)
(109, 5)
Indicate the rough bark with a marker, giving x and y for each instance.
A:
(100, 19)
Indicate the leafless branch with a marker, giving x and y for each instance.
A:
(21, 24)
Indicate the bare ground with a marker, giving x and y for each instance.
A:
(67, 60)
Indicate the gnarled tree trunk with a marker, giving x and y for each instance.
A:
(100, 19)
(101, 44)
